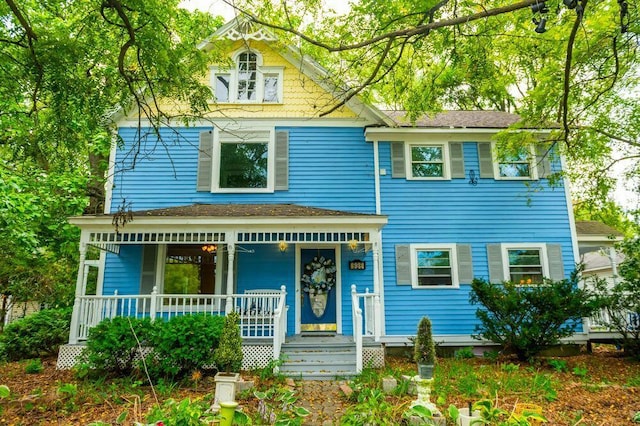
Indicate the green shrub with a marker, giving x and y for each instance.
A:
(112, 345)
(228, 356)
(526, 319)
(39, 334)
(34, 366)
(184, 344)
(425, 348)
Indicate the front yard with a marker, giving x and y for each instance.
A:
(589, 389)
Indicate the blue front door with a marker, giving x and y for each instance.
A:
(318, 286)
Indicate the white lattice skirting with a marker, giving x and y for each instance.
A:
(254, 356)
(373, 357)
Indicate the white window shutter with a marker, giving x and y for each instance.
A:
(282, 160)
(543, 160)
(496, 268)
(403, 264)
(456, 159)
(205, 161)
(556, 265)
(485, 159)
(465, 263)
(397, 160)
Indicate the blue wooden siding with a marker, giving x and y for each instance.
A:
(328, 168)
(122, 272)
(456, 212)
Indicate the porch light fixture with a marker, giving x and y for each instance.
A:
(210, 248)
(353, 245)
(282, 246)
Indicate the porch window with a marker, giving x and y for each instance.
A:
(434, 266)
(525, 266)
(189, 270)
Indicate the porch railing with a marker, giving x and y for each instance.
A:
(366, 319)
(602, 320)
(262, 314)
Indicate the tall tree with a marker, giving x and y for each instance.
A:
(573, 63)
(67, 68)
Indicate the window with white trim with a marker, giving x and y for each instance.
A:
(434, 265)
(525, 264)
(427, 161)
(247, 80)
(243, 161)
(517, 164)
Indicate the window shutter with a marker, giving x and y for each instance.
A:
(465, 263)
(556, 265)
(148, 275)
(205, 161)
(496, 268)
(282, 161)
(485, 159)
(543, 160)
(457, 159)
(397, 160)
(403, 265)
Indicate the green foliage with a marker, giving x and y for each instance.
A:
(622, 300)
(371, 407)
(278, 406)
(580, 371)
(425, 348)
(464, 353)
(187, 412)
(636, 417)
(526, 319)
(184, 344)
(228, 355)
(34, 366)
(36, 335)
(112, 345)
(419, 411)
(558, 365)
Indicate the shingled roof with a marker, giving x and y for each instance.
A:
(244, 210)
(460, 119)
(595, 228)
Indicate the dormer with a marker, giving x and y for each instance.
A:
(247, 80)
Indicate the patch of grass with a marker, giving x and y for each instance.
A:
(633, 381)
(464, 353)
(34, 366)
(559, 365)
(580, 371)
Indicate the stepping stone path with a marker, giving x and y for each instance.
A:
(324, 400)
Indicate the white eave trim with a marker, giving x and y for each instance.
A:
(391, 134)
(287, 222)
(603, 239)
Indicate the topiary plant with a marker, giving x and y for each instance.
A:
(425, 348)
(228, 355)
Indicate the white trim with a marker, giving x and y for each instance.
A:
(376, 175)
(212, 224)
(385, 134)
(572, 220)
(533, 168)
(542, 247)
(453, 264)
(298, 290)
(101, 269)
(224, 122)
(446, 173)
(108, 185)
(161, 261)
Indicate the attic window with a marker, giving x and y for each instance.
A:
(248, 81)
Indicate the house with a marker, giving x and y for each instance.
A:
(267, 198)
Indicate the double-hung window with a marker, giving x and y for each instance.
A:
(525, 264)
(246, 80)
(427, 161)
(516, 164)
(434, 265)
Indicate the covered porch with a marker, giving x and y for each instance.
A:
(244, 258)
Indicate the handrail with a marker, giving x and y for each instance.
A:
(261, 314)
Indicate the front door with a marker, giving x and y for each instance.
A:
(318, 289)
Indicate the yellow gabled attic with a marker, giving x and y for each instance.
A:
(259, 78)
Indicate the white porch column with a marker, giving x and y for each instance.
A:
(231, 254)
(80, 290)
(613, 256)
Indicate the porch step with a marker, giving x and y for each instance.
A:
(314, 358)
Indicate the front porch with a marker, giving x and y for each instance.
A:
(263, 327)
